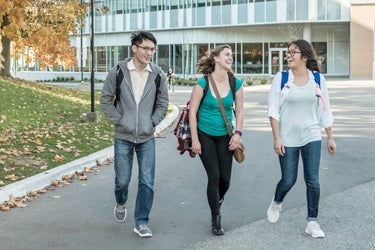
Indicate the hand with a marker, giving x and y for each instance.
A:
(331, 146)
(279, 147)
(196, 147)
(234, 142)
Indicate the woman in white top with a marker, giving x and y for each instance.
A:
(297, 112)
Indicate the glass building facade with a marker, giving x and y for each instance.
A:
(257, 30)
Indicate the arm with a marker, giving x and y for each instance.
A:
(331, 145)
(195, 100)
(107, 95)
(235, 140)
(327, 117)
(162, 101)
(278, 144)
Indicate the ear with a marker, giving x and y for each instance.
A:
(134, 48)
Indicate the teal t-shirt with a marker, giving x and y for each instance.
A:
(210, 119)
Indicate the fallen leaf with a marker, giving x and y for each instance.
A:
(38, 142)
(11, 177)
(59, 158)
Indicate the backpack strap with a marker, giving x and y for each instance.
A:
(119, 78)
(232, 83)
(317, 77)
(157, 85)
(285, 76)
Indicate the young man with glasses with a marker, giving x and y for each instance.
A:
(141, 105)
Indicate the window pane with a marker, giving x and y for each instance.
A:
(252, 58)
(271, 10)
(321, 54)
(242, 10)
(303, 10)
(259, 11)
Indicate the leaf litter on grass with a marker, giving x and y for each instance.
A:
(41, 128)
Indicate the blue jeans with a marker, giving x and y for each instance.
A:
(310, 154)
(124, 151)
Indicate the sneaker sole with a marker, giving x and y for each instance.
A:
(307, 231)
(142, 235)
(123, 220)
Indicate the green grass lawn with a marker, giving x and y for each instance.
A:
(41, 128)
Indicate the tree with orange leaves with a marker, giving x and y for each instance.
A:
(43, 26)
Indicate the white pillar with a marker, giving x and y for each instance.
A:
(373, 52)
(307, 32)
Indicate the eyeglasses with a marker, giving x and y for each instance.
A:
(293, 52)
(147, 49)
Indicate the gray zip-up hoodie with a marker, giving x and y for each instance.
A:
(131, 122)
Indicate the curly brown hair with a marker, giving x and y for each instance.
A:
(206, 64)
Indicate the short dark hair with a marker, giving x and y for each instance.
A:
(138, 37)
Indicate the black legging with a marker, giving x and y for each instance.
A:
(217, 160)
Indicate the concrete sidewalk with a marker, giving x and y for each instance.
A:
(347, 219)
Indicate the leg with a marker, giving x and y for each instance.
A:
(289, 171)
(225, 157)
(211, 165)
(146, 162)
(123, 169)
(311, 160)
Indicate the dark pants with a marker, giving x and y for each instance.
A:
(217, 160)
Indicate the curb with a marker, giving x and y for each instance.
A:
(44, 179)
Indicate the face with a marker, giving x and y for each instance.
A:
(294, 57)
(225, 59)
(143, 52)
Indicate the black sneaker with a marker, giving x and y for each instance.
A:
(120, 213)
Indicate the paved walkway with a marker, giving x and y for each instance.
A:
(346, 213)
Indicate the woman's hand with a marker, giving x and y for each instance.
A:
(331, 146)
(234, 142)
(278, 146)
(196, 147)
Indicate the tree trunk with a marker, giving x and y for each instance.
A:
(5, 57)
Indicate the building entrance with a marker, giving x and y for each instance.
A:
(277, 60)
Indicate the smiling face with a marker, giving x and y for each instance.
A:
(143, 52)
(224, 59)
(294, 57)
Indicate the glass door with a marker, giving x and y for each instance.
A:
(277, 60)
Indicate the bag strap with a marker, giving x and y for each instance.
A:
(226, 122)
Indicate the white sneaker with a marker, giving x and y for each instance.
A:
(313, 228)
(273, 211)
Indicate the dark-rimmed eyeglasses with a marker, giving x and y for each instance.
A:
(293, 52)
(147, 49)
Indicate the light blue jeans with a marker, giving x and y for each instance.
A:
(124, 152)
(310, 154)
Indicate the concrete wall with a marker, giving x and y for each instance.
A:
(362, 64)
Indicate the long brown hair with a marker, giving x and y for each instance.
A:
(206, 64)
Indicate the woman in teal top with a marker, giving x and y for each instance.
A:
(210, 138)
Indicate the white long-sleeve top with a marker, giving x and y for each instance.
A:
(300, 111)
